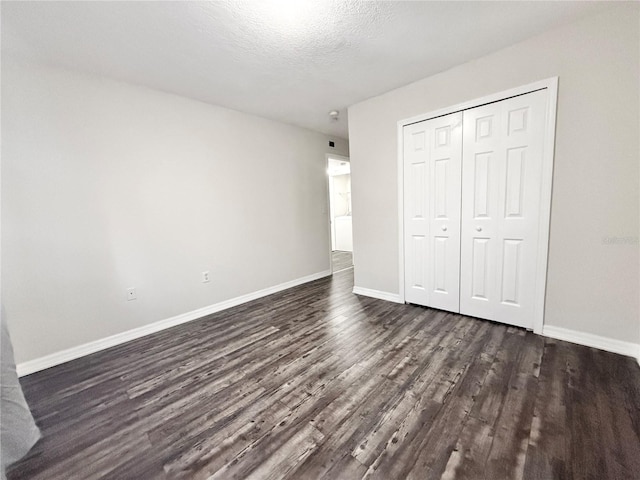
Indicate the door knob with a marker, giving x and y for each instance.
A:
(444, 228)
(479, 229)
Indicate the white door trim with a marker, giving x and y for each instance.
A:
(551, 84)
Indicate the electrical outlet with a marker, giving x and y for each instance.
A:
(131, 294)
(205, 277)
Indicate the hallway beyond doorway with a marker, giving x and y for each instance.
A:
(341, 260)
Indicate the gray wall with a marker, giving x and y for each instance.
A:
(593, 284)
(106, 186)
(341, 187)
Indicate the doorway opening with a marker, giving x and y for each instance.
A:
(339, 179)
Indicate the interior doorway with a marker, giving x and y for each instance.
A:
(339, 179)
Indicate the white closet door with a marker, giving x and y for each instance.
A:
(501, 185)
(432, 182)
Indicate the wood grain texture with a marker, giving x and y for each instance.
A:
(315, 382)
(341, 260)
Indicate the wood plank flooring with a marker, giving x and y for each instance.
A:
(341, 260)
(317, 383)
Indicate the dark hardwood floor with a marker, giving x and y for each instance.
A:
(341, 260)
(315, 382)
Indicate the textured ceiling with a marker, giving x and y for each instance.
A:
(289, 60)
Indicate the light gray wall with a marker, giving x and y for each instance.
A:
(341, 189)
(593, 284)
(106, 186)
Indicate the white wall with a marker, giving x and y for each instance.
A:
(341, 194)
(106, 186)
(342, 224)
(593, 286)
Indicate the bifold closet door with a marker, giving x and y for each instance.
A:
(501, 185)
(432, 181)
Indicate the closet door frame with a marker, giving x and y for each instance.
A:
(551, 85)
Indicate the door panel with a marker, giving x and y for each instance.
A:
(432, 163)
(481, 201)
(480, 269)
(440, 185)
(440, 264)
(444, 212)
(415, 213)
(514, 182)
(511, 271)
(418, 250)
(501, 184)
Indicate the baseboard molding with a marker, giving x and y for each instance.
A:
(596, 341)
(343, 269)
(368, 292)
(32, 366)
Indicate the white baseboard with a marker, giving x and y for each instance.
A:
(596, 341)
(368, 292)
(26, 368)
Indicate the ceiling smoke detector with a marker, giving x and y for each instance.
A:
(334, 115)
